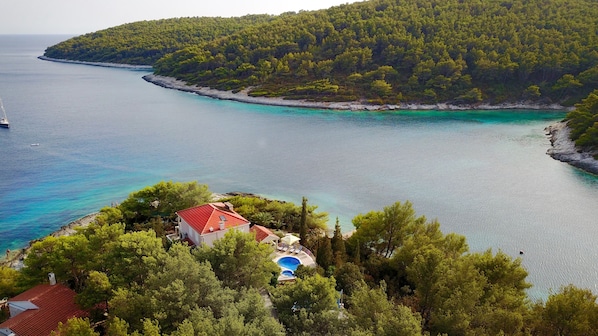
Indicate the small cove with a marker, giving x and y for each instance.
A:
(104, 133)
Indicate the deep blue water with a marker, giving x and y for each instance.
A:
(104, 133)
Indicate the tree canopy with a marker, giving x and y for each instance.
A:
(144, 42)
(398, 274)
(161, 201)
(583, 122)
(381, 51)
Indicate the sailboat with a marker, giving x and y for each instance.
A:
(3, 119)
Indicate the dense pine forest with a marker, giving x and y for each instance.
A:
(398, 274)
(144, 42)
(384, 51)
(583, 122)
(462, 52)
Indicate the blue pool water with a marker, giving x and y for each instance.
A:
(289, 263)
(288, 273)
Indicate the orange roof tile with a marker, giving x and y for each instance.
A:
(56, 304)
(261, 232)
(206, 218)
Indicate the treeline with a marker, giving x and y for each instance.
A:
(398, 275)
(144, 42)
(583, 122)
(389, 51)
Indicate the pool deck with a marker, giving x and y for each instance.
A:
(304, 257)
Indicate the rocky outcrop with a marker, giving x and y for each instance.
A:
(563, 149)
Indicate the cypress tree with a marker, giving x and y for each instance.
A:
(357, 257)
(338, 245)
(303, 223)
(324, 255)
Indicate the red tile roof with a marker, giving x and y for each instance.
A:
(261, 232)
(202, 218)
(56, 304)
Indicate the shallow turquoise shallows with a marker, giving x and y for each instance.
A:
(104, 133)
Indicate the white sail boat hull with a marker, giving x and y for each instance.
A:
(3, 119)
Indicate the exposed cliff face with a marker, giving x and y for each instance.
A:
(563, 149)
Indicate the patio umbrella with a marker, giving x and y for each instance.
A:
(289, 239)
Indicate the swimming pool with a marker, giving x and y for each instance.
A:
(289, 265)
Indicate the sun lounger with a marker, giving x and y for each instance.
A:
(298, 249)
(292, 249)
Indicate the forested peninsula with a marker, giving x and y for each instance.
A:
(465, 53)
(397, 274)
(381, 50)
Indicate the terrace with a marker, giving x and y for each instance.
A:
(289, 255)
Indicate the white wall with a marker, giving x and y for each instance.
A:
(209, 238)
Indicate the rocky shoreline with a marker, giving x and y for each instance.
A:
(563, 149)
(14, 259)
(100, 64)
(243, 96)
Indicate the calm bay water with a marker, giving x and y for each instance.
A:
(104, 133)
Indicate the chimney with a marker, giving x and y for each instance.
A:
(229, 206)
(222, 221)
(52, 278)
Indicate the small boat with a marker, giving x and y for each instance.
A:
(3, 119)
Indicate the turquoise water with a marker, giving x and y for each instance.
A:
(104, 133)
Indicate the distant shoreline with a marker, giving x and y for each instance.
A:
(100, 64)
(562, 149)
(243, 96)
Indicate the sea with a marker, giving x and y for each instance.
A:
(84, 137)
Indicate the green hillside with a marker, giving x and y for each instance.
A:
(460, 51)
(384, 51)
(144, 42)
(379, 51)
(583, 121)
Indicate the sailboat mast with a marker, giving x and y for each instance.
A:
(2, 107)
(3, 119)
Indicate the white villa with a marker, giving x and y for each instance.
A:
(207, 223)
